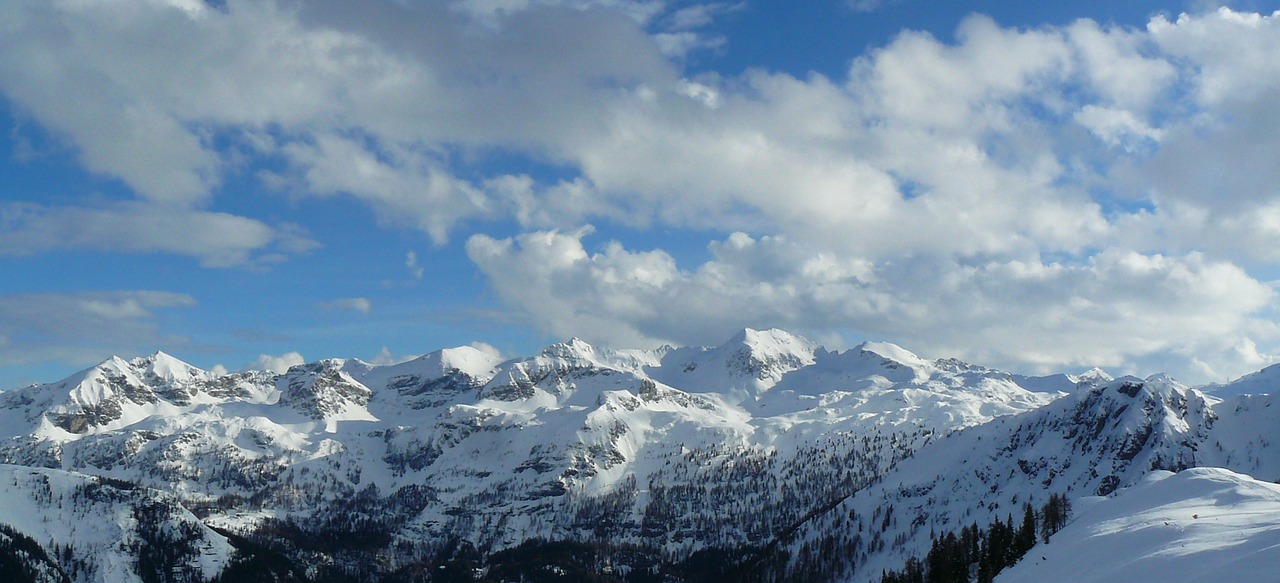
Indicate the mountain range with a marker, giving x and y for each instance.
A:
(765, 458)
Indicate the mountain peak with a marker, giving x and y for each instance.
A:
(893, 352)
(469, 360)
(574, 348)
(771, 337)
(115, 363)
(771, 344)
(165, 366)
(765, 355)
(1094, 376)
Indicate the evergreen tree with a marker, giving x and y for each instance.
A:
(1026, 537)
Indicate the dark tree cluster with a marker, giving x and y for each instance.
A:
(167, 548)
(979, 555)
(22, 560)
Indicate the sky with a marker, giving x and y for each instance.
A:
(1039, 187)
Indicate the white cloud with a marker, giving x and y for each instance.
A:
(145, 91)
(1118, 127)
(1116, 309)
(970, 85)
(1122, 66)
(487, 349)
(361, 305)
(384, 358)
(215, 239)
(1251, 234)
(411, 263)
(404, 187)
(919, 132)
(276, 364)
(680, 43)
(700, 15)
(1230, 52)
(932, 174)
(83, 328)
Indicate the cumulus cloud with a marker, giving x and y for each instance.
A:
(945, 193)
(83, 328)
(386, 102)
(276, 364)
(358, 100)
(405, 188)
(947, 173)
(1116, 309)
(1117, 127)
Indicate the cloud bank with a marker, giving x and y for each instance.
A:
(1035, 198)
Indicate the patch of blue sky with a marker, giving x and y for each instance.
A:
(825, 37)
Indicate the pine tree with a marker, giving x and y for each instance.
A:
(1027, 532)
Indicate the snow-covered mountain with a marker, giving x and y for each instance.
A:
(647, 459)
(1091, 443)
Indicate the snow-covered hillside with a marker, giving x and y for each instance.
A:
(653, 459)
(1264, 381)
(1102, 438)
(1201, 525)
(98, 529)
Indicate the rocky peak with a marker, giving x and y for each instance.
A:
(574, 350)
(322, 390)
(766, 355)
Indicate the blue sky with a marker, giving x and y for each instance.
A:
(1035, 186)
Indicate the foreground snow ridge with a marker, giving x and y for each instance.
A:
(1201, 525)
(768, 456)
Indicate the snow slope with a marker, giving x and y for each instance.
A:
(1201, 525)
(1262, 382)
(104, 523)
(1091, 443)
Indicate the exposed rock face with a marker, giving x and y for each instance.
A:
(322, 389)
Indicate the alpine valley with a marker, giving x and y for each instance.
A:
(767, 458)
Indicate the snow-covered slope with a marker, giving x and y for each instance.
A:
(768, 441)
(1202, 525)
(1244, 436)
(1263, 382)
(102, 525)
(746, 366)
(1090, 443)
